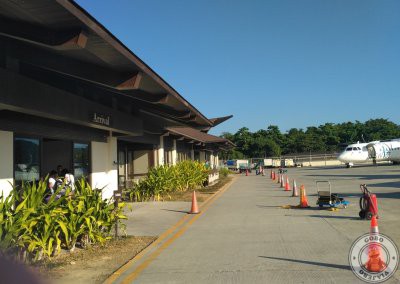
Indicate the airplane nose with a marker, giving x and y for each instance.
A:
(342, 157)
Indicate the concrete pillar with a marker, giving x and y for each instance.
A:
(161, 151)
(173, 152)
(104, 166)
(155, 157)
(192, 155)
(7, 162)
(212, 160)
(217, 160)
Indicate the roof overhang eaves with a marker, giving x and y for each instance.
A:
(107, 36)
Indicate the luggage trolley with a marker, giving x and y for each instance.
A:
(326, 197)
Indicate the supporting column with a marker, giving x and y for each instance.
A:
(161, 151)
(104, 166)
(174, 152)
(192, 155)
(155, 157)
(113, 167)
(212, 160)
(7, 162)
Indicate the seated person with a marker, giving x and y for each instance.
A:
(51, 185)
(52, 181)
(69, 180)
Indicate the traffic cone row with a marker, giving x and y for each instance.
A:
(295, 193)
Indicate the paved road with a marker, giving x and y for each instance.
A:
(244, 237)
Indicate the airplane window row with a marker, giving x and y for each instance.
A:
(353, 149)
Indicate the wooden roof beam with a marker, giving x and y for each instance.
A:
(60, 40)
(132, 83)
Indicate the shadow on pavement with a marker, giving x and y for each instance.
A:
(360, 176)
(266, 206)
(394, 184)
(395, 195)
(338, 266)
(179, 211)
(335, 217)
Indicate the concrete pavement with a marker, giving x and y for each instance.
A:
(245, 237)
(153, 218)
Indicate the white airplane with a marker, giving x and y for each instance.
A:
(355, 153)
(385, 151)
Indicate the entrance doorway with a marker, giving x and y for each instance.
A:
(55, 153)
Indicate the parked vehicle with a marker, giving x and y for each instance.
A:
(236, 165)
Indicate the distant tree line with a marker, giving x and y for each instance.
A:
(327, 138)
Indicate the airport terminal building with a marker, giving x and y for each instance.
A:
(72, 94)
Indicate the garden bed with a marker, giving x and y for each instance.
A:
(95, 264)
(201, 193)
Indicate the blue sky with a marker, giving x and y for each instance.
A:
(290, 63)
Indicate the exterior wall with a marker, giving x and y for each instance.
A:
(7, 161)
(192, 155)
(104, 167)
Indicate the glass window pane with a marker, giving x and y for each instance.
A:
(27, 159)
(81, 160)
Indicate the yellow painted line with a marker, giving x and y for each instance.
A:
(156, 253)
(126, 266)
(164, 235)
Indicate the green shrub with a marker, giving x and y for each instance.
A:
(189, 175)
(224, 172)
(163, 180)
(37, 229)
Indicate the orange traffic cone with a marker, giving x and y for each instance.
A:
(295, 193)
(374, 262)
(273, 175)
(303, 198)
(195, 208)
(282, 181)
(279, 178)
(287, 184)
